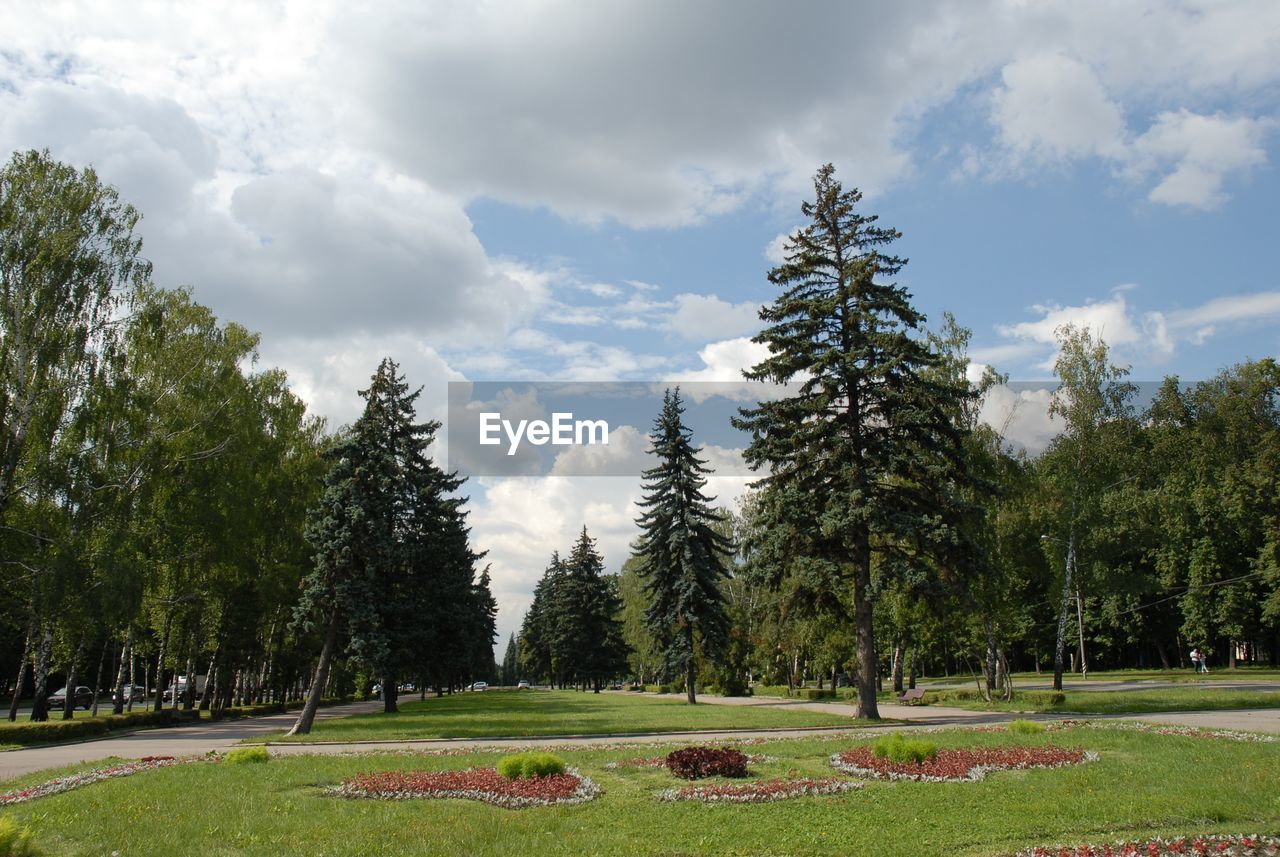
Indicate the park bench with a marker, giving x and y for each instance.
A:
(912, 696)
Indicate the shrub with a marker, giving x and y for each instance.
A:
(529, 765)
(248, 756)
(54, 730)
(895, 748)
(694, 763)
(1044, 698)
(814, 693)
(1026, 727)
(15, 841)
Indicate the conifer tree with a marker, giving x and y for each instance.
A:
(510, 662)
(587, 637)
(866, 431)
(536, 630)
(682, 552)
(382, 533)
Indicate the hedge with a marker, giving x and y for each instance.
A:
(56, 731)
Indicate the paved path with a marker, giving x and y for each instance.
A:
(193, 740)
(1103, 685)
(196, 740)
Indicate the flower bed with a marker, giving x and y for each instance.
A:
(761, 791)
(1158, 729)
(97, 775)
(483, 784)
(1216, 844)
(661, 761)
(957, 765)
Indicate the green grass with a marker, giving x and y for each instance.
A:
(1241, 674)
(521, 714)
(1133, 701)
(1143, 784)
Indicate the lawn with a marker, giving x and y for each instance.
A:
(494, 714)
(1142, 784)
(1132, 701)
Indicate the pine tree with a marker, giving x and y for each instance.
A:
(536, 630)
(510, 662)
(588, 629)
(682, 552)
(866, 431)
(382, 533)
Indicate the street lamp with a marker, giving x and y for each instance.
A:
(1071, 568)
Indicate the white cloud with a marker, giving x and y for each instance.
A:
(1052, 107)
(522, 520)
(726, 360)
(1131, 334)
(1111, 320)
(1203, 150)
(328, 373)
(702, 317)
(775, 250)
(1260, 307)
(625, 455)
(1020, 415)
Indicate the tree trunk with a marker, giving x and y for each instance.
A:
(991, 667)
(22, 671)
(133, 673)
(97, 682)
(1162, 654)
(1231, 654)
(308, 714)
(210, 682)
(193, 684)
(390, 696)
(73, 676)
(864, 621)
(126, 661)
(899, 652)
(911, 678)
(1064, 611)
(40, 676)
(164, 650)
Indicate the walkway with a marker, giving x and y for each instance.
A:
(193, 740)
(196, 740)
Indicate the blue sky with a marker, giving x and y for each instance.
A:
(555, 190)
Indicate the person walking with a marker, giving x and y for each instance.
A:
(1195, 660)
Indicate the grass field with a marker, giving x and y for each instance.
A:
(1142, 784)
(534, 713)
(1134, 701)
(1244, 674)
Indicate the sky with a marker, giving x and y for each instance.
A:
(549, 190)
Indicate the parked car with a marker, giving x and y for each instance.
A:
(83, 699)
(480, 685)
(522, 685)
(181, 686)
(133, 692)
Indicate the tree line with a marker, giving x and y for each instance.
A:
(163, 498)
(894, 532)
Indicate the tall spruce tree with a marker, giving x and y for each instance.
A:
(382, 509)
(682, 553)
(866, 431)
(587, 631)
(535, 655)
